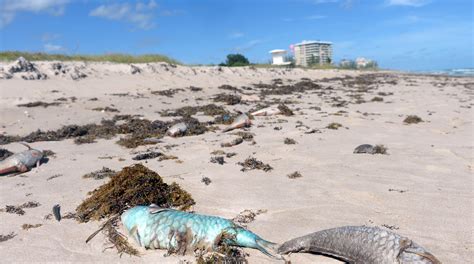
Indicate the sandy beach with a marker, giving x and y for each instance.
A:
(422, 188)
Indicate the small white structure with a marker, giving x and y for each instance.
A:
(278, 57)
(362, 62)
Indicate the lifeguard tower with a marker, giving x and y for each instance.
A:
(278, 57)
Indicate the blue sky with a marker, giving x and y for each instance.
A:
(399, 34)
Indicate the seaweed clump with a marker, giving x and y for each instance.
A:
(334, 126)
(208, 110)
(134, 185)
(223, 254)
(412, 119)
(100, 174)
(39, 103)
(229, 99)
(4, 238)
(285, 110)
(254, 164)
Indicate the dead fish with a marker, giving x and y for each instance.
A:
(269, 111)
(239, 122)
(365, 148)
(361, 245)
(22, 161)
(181, 232)
(177, 129)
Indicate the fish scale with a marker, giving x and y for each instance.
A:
(159, 228)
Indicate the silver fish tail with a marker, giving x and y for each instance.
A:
(361, 244)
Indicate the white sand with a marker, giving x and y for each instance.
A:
(431, 161)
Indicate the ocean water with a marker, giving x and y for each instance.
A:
(452, 72)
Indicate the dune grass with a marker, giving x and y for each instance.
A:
(112, 57)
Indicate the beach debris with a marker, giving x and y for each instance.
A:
(289, 141)
(137, 131)
(4, 238)
(391, 227)
(134, 69)
(186, 111)
(39, 103)
(412, 119)
(277, 88)
(57, 212)
(229, 88)
(5, 153)
(21, 161)
(241, 121)
(26, 69)
(54, 177)
(168, 93)
(369, 149)
(222, 254)
(18, 209)
(30, 226)
(334, 126)
(253, 164)
(147, 155)
(77, 74)
(247, 136)
(206, 180)
(182, 233)
(312, 131)
(229, 99)
(232, 143)
(294, 175)
(177, 129)
(247, 216)
(195, 89)
(133, 185)
(218, 152)
(285, 110)
(360, 244)
(49, 153)
(230, 154)
(106, 109)
(100, 174)
(218, 159)
(397, 190)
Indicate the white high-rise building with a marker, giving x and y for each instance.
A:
(309, 53)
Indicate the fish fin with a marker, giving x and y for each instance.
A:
(268, 248)
(154, 209)
(26, 145)
(134, 233)
(22, 168)
(423, 254)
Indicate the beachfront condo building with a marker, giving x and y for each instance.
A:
(309, 53)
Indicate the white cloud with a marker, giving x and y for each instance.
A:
(52, 47)
(140, 14)
(414, 3)
(235, 35)
(9, 8)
